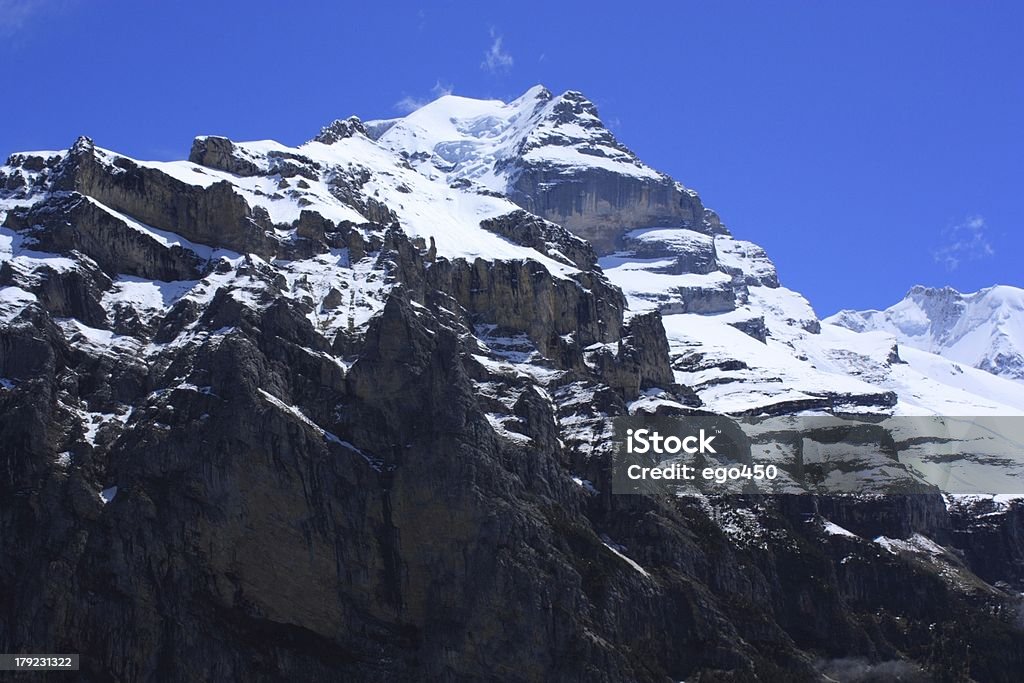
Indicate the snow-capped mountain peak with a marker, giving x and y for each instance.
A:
(485, 141)
(550, 154)
(983, 329)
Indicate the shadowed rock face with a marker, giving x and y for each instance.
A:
(699, 256)
(551, 155)
(548, 238)
(641, 360)
(991, 535)
(600, 206)
(217, 152)
(73, 222)
(409, 540)
(214, 215)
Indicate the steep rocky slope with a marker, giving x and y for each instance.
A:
(338, 412)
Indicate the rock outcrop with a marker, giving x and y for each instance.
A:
(598, 201)
(74, 223)
(599, 205)
(211, 215)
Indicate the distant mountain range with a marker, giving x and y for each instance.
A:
(984, 329)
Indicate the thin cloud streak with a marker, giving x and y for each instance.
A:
(410, 104)
(17, 15)
(496, 59)
(965, 241)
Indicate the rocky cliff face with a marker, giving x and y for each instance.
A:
(599, 204)
(307, 413)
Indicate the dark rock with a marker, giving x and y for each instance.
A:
(991, 536)
(698, 256)
(220, 153)
(213, 215)
(718, 298)
(340, 129)
(289, 165)
(547, 238)
(599, 205)
(752, 327)
(641, 360)
(74, 293)
(410, 499)
(522, 295)
(71, 222)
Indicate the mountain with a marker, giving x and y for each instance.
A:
(984, 329)
(552, 155)
(345, 411)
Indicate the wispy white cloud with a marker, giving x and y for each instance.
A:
(18, 16)
(496, 59)
(409, 103)
(966, 241)
(15, 14)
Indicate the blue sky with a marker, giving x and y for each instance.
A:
(869, 146)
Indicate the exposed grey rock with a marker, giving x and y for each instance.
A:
(753, 327)
(989, 532)
(289, 165)
(639, 361)
(547, 238)
(214, 215)
(220, 153)
(599, 205)
(760, 271)
(340, 129)
(72, 293)
(720, 298)
(71, 222)
(699, 255)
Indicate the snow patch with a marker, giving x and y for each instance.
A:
(107, 495)
(619, 551)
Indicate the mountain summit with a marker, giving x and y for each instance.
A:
(552, 155)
